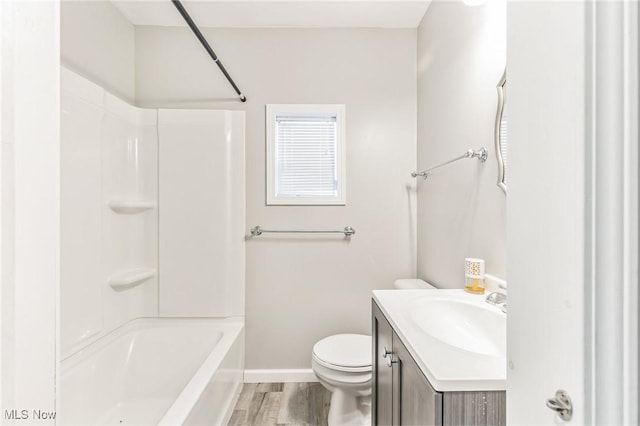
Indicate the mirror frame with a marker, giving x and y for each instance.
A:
(501, 100)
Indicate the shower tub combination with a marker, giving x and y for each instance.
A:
(151, 289)
(156, 371)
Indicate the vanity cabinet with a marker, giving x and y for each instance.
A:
(402, 395)
(382, 388)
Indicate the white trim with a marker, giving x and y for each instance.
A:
(590, 223)
(271, 111)
(630, 250)
(280, 376)
(609, 203)
(4, 198)
(612, 252)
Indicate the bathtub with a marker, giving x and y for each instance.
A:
(156, 372)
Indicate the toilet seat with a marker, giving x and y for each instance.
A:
(344, 352)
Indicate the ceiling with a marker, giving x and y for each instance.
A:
(279, 14)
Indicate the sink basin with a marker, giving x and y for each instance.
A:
(463, 321)
(457, 339)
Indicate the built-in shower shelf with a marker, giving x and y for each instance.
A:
(131, 278)
(131, 206)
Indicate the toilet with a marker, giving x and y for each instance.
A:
(342, 364)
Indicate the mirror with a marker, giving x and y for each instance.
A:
(501, 133)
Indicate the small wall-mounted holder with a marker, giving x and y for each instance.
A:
(131, 278)
(131, 206)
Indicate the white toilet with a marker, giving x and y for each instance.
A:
(342, 363)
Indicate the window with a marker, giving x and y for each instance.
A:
(305, 154)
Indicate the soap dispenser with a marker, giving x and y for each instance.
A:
(474, 275)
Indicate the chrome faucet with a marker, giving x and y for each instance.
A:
(498, 299)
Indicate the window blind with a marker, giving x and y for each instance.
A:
(306, 155)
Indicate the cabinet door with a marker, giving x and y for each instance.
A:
(475, 408)
(416, 402)
(382, 389)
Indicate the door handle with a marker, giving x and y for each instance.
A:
(561, 404)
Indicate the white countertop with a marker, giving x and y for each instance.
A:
(448, 368)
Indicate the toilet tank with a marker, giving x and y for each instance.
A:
(411, 283)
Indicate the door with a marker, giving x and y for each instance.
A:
(416, 402)
(382, 392)
(572, 211)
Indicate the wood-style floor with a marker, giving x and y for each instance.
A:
(264, 404)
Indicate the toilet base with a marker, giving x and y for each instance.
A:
(349, 409)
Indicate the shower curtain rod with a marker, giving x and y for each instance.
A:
(205, 44)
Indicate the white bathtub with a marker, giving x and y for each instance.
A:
(156, 371)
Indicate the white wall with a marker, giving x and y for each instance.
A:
(29, 176)
(302, 289)
(461, 211)
(97, 42)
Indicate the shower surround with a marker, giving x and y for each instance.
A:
(152, 217)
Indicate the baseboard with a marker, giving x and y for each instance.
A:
(279, 376)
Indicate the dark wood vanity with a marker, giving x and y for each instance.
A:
(402, 394)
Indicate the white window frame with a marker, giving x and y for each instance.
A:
(275, 110)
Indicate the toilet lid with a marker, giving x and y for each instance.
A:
(344, 350)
